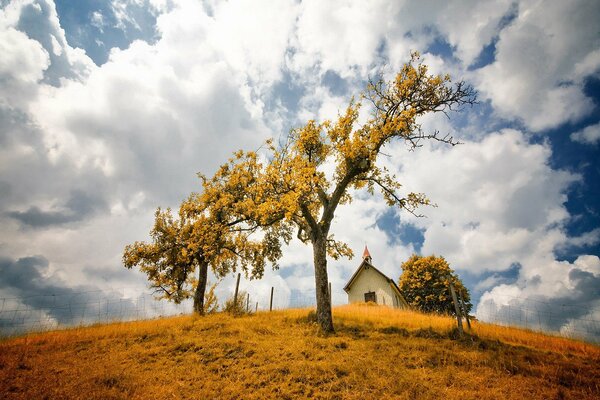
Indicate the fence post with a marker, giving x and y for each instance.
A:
(271, 303)
(256, 309)
(248, 303)
(456, 308)
(329, 293)
(464, 309)
(235, 295)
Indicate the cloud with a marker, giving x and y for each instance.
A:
(80, 205)
(540, 63)
(497, 199)
(39, 20)
(343, 37)
(97, 20)
(588, 135)
(22, 65)
(26, 54)
(137, 15)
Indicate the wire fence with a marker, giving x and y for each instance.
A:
(45, 312)
(573, 320)
(54, 311)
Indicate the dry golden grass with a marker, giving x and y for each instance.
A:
(377, 352)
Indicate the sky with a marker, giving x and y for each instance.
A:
(109, 109)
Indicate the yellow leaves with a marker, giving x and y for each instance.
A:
(310, 143)
(336, 249)
(425, 284)
(340, 132)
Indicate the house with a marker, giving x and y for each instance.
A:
(370, 284)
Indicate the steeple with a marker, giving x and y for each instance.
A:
(367, 255)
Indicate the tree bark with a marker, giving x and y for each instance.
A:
(201, 287)
(324, 317)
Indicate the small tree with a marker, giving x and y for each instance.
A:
(211, 302)
(214, 229)
(425, 284)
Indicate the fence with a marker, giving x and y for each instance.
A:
(574, 320)
(53, 311)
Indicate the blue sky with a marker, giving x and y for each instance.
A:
(109, 108)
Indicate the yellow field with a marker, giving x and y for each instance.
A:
(377, 353)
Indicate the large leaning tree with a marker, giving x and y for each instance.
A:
(306, 194)
(425, 284)
(213, 229)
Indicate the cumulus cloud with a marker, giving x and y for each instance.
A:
(588, 135)
(540, 62)
(497, 199)
(101, 150)
(39, 20)
(22, 66)
(344, 37)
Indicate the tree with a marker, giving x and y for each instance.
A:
(425, 284)
(214, 228)
(306, 197)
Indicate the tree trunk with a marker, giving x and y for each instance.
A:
(324, 317)
(201, 288)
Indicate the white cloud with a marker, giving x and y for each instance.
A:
(588, 135)
(589, 66)
(145, 122)
(537, 74)
(23, 58)
(22, 65)
(343, 37)
(98, 20)
(497, 199)
(122, 14)
(472, 33)
(237, 33)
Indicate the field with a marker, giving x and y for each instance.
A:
(376, 352)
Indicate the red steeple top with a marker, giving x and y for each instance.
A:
(366, 254)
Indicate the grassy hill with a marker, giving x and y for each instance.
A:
(376, 352)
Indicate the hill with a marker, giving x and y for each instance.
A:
(376, 352)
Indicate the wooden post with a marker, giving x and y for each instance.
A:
(237, 286)
(271, 303)
(330, 293)
(464, 309)
(256, 309)
(248, 303)
(456, 308)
